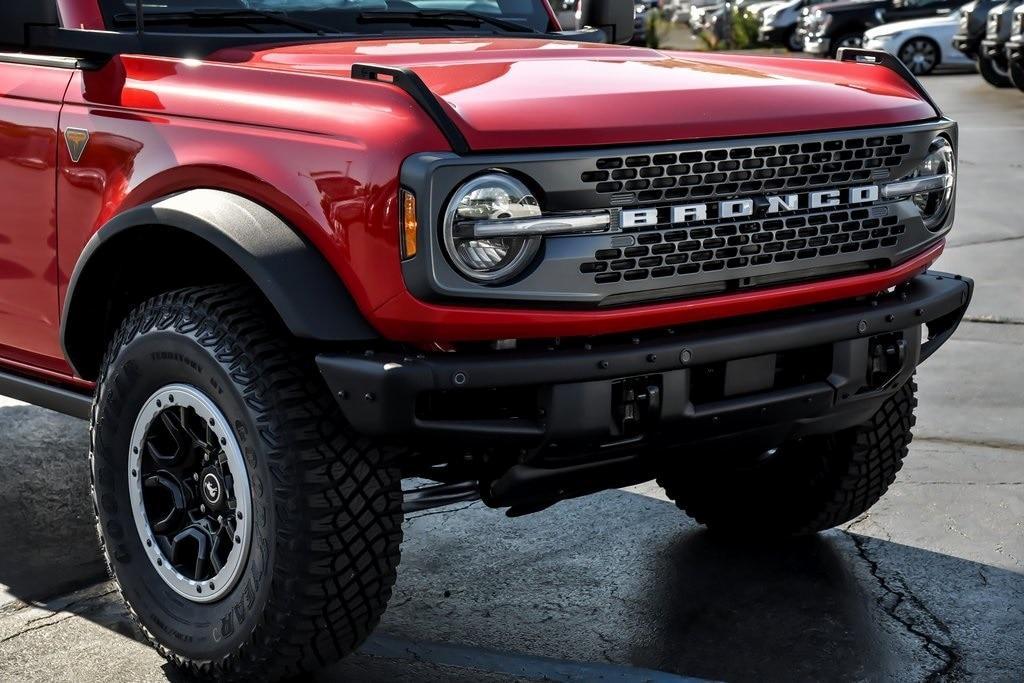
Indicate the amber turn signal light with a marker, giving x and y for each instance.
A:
(410, 228)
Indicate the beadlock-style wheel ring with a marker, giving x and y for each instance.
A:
(190, 494)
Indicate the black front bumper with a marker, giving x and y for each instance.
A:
(967, 44)
(770, 378)
(1015, 52)
(993, 49)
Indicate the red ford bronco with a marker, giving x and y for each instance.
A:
(284, 254)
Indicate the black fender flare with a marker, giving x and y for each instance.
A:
(292, 274)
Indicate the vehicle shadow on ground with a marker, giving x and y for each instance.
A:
(47, 529)
(617, 580)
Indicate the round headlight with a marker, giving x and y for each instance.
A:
(935, 205)
(491, 197)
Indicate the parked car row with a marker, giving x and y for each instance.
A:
(992, 33)
(919, 32)
(923, 34)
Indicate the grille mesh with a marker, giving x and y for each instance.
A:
(721, 247)
(724, 171)
(716, 246)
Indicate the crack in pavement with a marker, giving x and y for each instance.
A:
(62, 611)
(994, 240)
(40, 627)
(442, 512)
(13, 607)
(938, 640)
(974, 443)
(68, 607)
(992, 320)
(963, 483)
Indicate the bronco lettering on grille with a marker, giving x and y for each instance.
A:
(750, 206)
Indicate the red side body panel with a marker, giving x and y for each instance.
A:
(30, 100)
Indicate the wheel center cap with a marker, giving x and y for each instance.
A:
(213, 489)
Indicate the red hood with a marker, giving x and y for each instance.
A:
(518, 93)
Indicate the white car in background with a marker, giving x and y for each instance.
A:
(921, 44)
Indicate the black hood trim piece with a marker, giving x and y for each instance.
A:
(877, 57)
(413, 85)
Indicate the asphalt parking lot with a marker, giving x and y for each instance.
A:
(929, 585)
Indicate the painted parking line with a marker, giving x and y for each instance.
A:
(513, 664)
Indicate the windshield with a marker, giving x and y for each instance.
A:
(327, 16)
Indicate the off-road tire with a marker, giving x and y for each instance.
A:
(1017, 75)
(806, 486)
(326, 504)
(992, 74)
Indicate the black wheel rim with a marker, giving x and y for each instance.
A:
(190, 493)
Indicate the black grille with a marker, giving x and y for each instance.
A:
(717, 247)
(724, 171)
(721, 247)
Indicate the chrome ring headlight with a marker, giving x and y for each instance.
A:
(935, 205)
(930, 186)
(494, 196)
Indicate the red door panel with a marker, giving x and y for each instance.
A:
(30, 102)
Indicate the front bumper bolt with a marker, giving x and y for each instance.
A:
(603, 364)
(685, 356)
(459, 378)
(369, 397)
(862, 326)
(652, 357)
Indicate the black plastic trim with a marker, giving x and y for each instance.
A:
(378, 393)
(439, 495)
(45, 395)
(409, 81)
(891, 62)
(292, 274)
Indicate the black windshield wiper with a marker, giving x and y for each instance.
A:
(226, 16)
(465, 17)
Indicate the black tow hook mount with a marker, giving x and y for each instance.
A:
(886, 357)
(636, 404)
